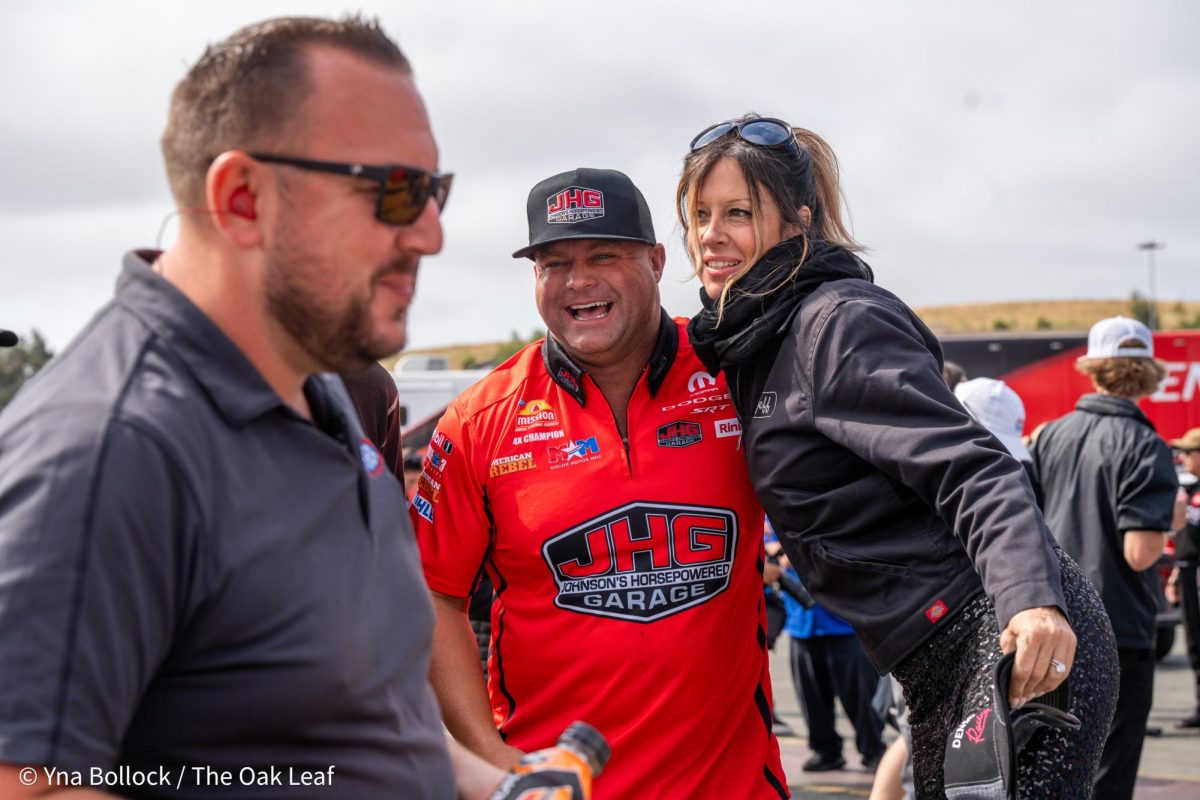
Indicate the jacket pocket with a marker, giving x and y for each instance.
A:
(851, 561)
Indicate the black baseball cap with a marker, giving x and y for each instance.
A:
(586, 204)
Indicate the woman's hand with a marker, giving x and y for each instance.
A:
(1043, 640)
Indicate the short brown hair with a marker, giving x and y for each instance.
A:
(247, 88)
(1124, 376)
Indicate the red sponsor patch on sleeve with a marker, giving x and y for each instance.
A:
(936, 611)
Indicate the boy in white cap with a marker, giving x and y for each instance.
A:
(1109, 487)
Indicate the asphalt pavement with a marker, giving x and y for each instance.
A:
(1170, 768)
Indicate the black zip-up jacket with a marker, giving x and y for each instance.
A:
(1104, 471)
(897, 507)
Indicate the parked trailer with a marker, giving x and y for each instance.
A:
(1040, 367)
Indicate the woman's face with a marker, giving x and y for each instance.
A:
(725, 225)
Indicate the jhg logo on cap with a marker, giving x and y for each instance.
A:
(574, 204)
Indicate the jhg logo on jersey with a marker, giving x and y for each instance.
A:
(700, 381)
(575, 204)
(578, 451)
(535, 414)
(643, 561)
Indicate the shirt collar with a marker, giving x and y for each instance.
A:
(234, 386)
(1113, 406)
(569, 375)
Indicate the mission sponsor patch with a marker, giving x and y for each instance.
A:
(643, 561)
(534, 414)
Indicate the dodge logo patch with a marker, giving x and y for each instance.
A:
(643, 561)
(679, 434)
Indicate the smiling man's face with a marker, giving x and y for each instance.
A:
(599, 298)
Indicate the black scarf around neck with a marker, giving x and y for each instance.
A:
(762, 304)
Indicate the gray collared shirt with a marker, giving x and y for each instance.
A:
(192, 575)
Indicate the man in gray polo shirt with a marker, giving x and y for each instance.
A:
(208, 585)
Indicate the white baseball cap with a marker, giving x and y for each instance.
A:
(1105, 337)
(999, 409)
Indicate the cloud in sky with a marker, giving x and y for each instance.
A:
(989, 152)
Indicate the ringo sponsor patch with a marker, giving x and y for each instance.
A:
(727, 427)
(643, 561)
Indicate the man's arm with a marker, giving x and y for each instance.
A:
(476, 778)
(457, 681)
(1142, 549)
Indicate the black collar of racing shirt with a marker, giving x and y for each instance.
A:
(569, 375)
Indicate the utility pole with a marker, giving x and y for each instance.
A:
(1150, 247)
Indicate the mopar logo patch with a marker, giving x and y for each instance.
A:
(643, 561)
(679, 434)
(575, 204)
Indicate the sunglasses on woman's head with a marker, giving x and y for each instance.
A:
(758, 131)
(403, 191)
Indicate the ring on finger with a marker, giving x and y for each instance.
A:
(1059, 666)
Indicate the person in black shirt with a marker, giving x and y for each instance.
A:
(1109, 489)
(1187, 556)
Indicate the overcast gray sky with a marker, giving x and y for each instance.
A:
(990, 151)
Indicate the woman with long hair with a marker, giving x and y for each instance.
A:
(902, 514)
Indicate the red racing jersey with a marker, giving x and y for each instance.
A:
(628, 574)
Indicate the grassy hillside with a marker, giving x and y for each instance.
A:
(1062, 315)
(1025, 315)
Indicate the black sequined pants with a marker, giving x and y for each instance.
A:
(952, 672)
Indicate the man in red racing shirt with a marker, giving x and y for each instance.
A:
(596, 476)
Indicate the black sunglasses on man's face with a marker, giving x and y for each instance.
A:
(403, 190)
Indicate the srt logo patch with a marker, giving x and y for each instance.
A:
(679, 434)
(643, 561)
(766, 405)
(574, 204)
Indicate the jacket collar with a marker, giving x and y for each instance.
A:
(1111, 406)
(569, 375)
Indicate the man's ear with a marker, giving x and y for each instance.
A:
(232, 190)
(658, 258)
